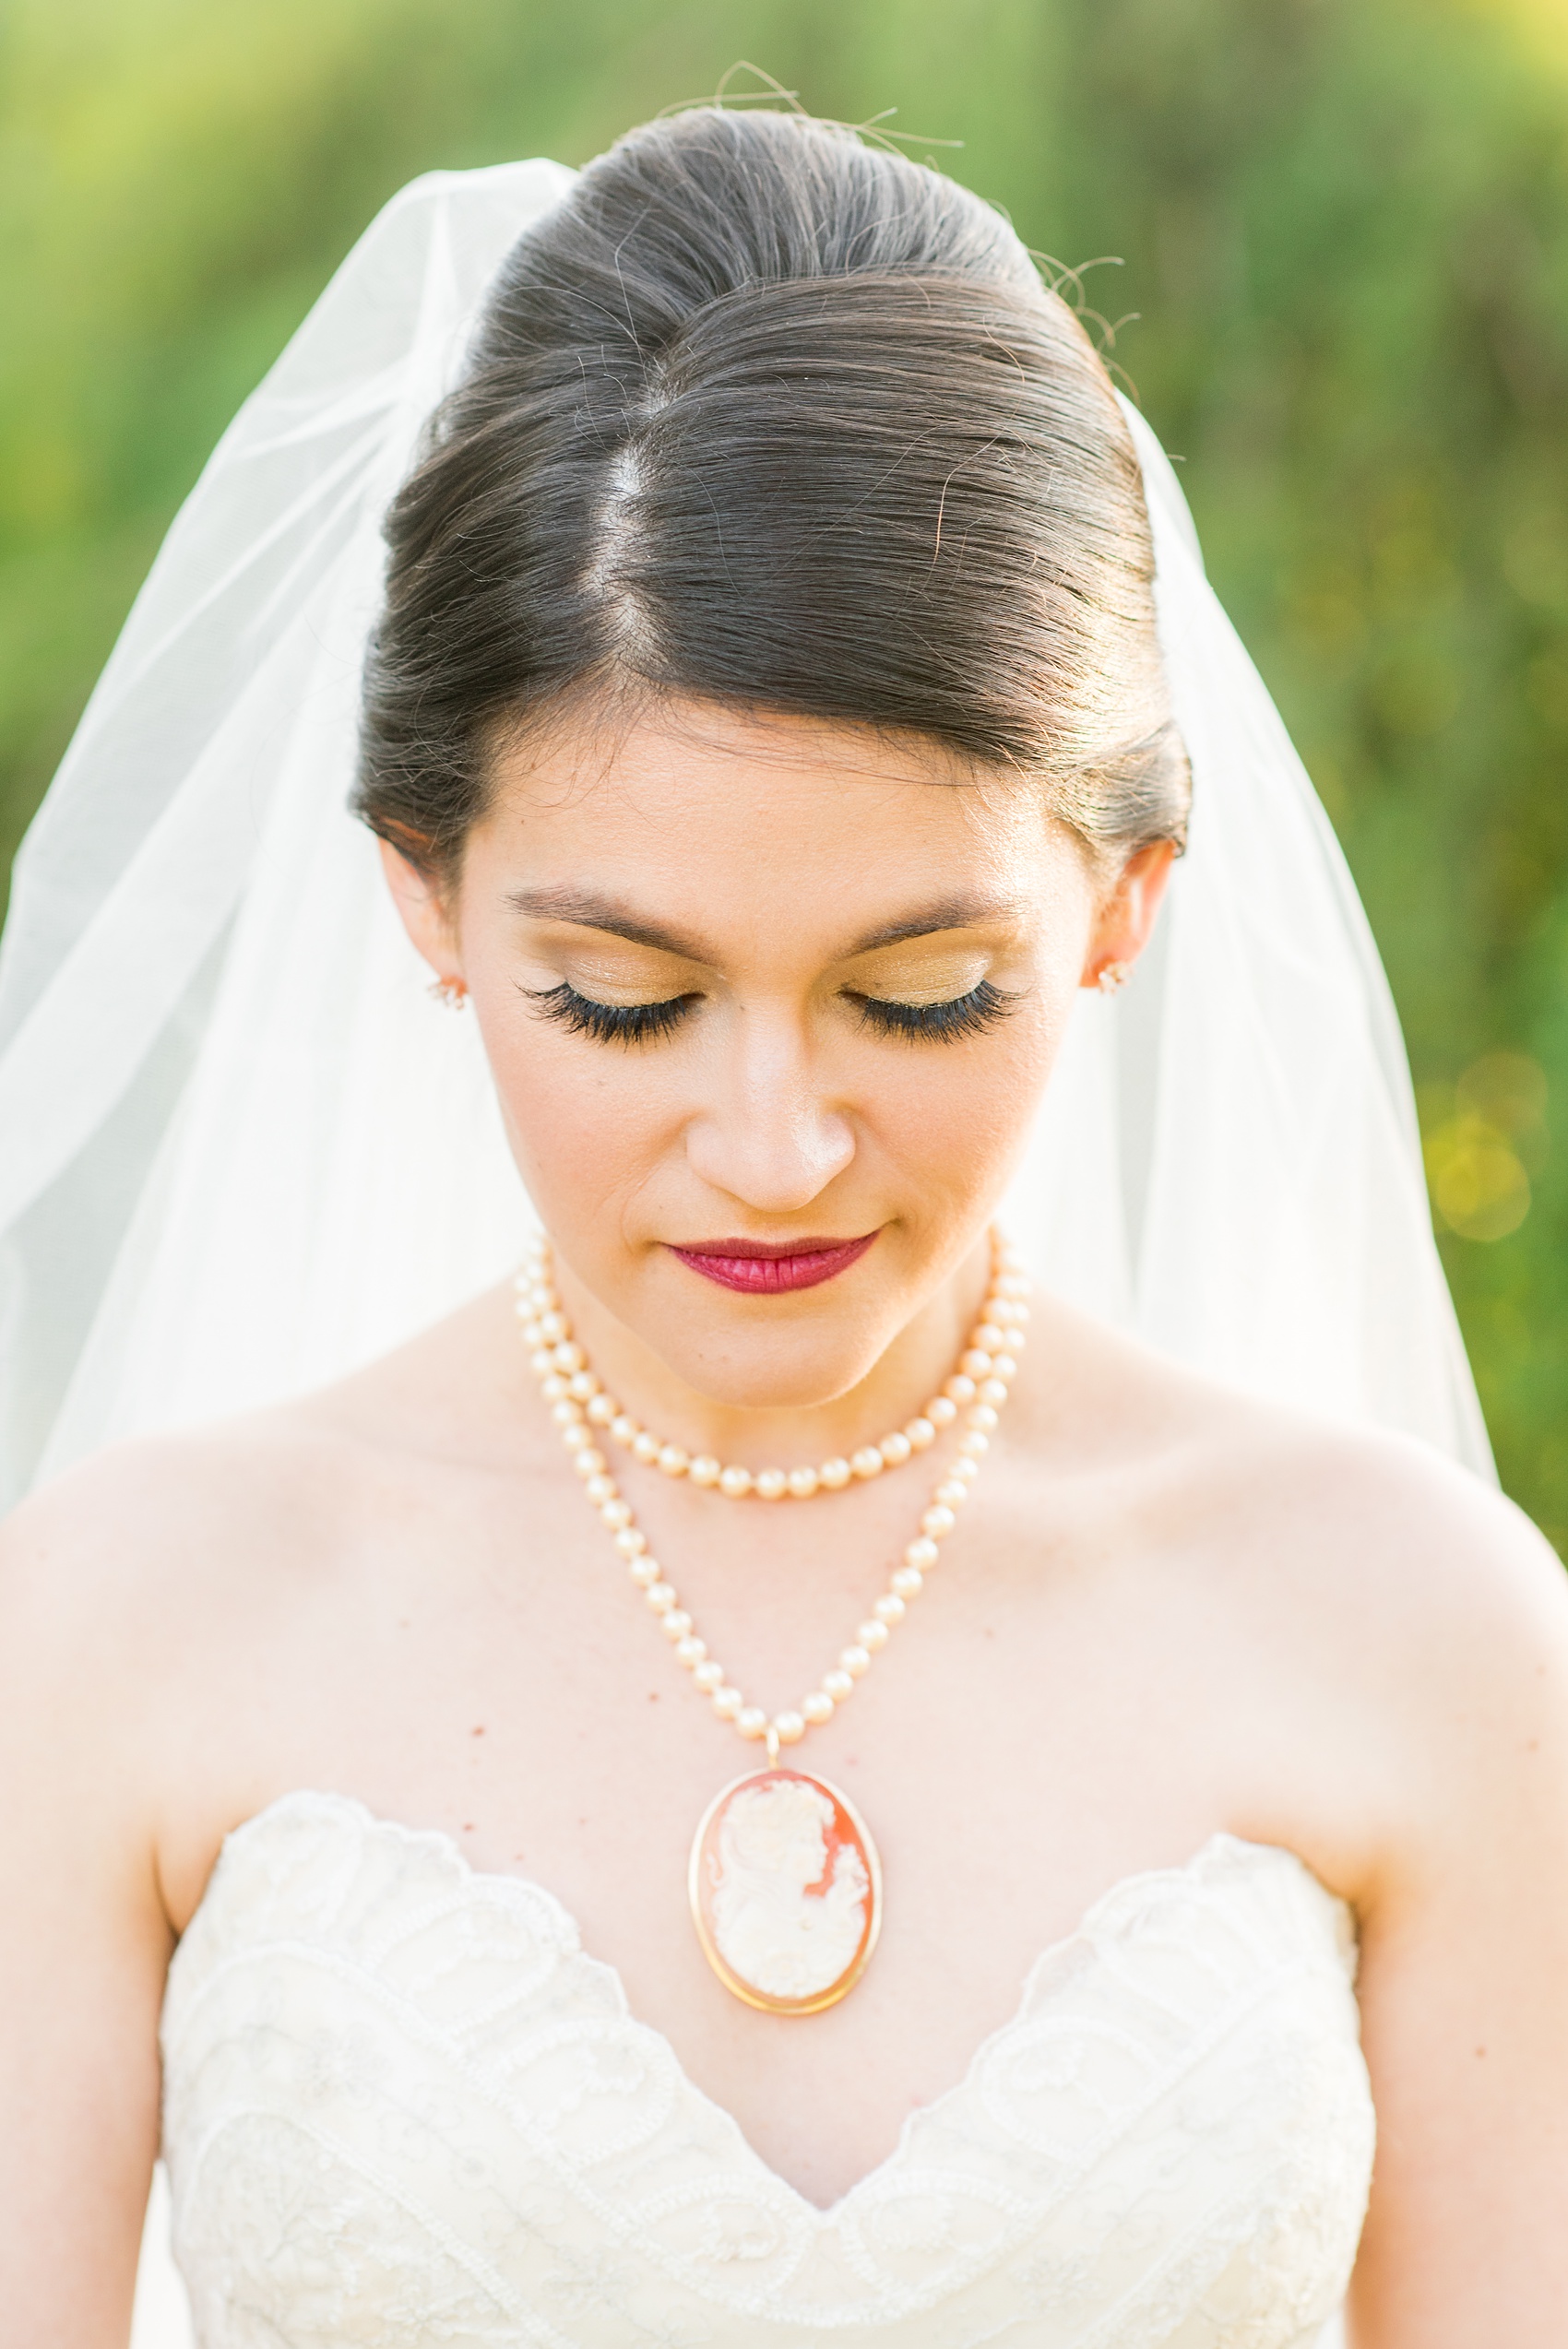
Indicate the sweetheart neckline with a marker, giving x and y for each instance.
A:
(820, 2215)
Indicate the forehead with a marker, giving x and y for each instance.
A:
(740, 817)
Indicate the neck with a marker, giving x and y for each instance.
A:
(912, 1367)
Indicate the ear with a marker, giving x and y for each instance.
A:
(424, 913)
(1126, 916)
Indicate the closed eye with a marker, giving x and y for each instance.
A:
(946, 1023)
(624, 1024)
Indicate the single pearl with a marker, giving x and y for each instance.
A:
(691, 1651)
(989, 1337)
(705, 1469)
(661, 1596)
(834, 1474)
(816, 1708)
(624, 1429)
(751, 1721)
(994, 1391)
(889, 1609)
(645, 1570)
(569, 1356)
(672, 1460)
(553, 1387)
(978, 1415)
(709, 1676)
(895, 1449)
(802, 1484)
(975, 1363)
(735, 1483)
(1013, 1285)
(575, 1439)
(941, 1411)
(951, 1494)
(1004, 1367)
(727, 1703)
(838, 1685)
(921, 1433)
(533, 1336)
(589, 1462)
(974, 1444)
(856, 1661)
(565, 1413)
(789, 1727)
(868, 1462)
(630, 1541)
(582, 1386)
(615, 1513)
(772, 1484)
(600, 1487)
(921, 1555)
(961, 1388)
(907, 1583)
(646, 1448)
(964, 1469)
(938, 1520)
(604, 1409)
(542, 1364)
(872, 1635)
(555, 1327)
(677, 1623)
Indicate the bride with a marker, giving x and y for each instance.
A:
(905, 1734)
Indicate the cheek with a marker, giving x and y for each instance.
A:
(955, 1117)
(587, 1123)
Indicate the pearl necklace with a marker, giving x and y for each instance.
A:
(985, 1367)
(784, 1882)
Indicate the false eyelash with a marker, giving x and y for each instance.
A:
(611, 1023)
(968, 1014)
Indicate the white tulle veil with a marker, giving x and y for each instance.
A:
(241, 1150)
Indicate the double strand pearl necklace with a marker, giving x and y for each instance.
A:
(786, 1940)
(986, 1366)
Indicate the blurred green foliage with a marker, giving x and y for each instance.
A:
(1343, 225)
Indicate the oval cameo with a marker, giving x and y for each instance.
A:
(786, 1892)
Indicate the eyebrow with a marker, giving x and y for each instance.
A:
(586, 911)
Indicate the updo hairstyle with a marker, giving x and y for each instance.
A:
(766, 417)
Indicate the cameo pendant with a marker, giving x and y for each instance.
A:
(786, 1890)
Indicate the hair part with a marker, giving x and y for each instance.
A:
(762, 416)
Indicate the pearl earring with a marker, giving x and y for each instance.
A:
(452, 992)
(1112, 976)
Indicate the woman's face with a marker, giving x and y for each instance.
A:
(752, 981)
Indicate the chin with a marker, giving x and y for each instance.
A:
(766, 1371)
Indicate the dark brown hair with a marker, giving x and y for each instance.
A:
(765, 416)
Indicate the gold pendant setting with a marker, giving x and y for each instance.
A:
(786, 1890)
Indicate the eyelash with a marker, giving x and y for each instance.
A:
(629, 1024)
(947, 1023)
(611, 1023)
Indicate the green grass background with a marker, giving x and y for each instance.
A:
(1343, 225)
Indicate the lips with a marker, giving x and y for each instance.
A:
(763, 1268)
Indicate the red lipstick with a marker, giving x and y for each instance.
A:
(763, 1268)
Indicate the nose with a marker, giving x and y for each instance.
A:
(770, 1135)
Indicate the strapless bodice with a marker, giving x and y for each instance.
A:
(404, 2110)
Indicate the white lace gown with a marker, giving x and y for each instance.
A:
(403, 2109)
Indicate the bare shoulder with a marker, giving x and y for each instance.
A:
(1370, 1529)
(132, 1576)
(1395, 1628)
(1421, 1621)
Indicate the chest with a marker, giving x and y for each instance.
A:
(1019, 1744)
